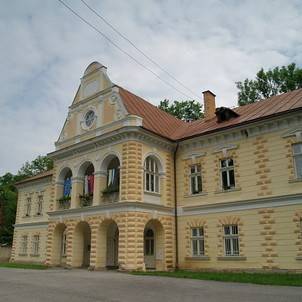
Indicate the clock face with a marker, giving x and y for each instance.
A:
(89, 118)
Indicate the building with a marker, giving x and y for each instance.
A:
(135, 188)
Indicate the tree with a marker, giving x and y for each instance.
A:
(38, 165)
(189, 110)
(268, 83)
(9, 194)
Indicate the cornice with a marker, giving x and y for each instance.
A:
(31, 224)
(116, 136)
(219, 138)
(107, 209)
(275, 201)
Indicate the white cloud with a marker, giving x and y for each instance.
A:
(205, 44)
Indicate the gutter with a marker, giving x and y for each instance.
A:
(175, 209)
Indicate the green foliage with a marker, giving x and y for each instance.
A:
(185, 110)
(38, 165)
(269, 83)
(256, 278)
(9, 195)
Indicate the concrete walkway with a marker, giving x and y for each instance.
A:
(55, 285)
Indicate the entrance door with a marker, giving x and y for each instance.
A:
(149, 249)
(112, 247)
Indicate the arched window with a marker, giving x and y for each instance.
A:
(113, 175)
(151, 175)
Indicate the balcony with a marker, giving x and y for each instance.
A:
(64, 202)
(110, 195)
(86, 200)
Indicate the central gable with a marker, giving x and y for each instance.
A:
(97, 108)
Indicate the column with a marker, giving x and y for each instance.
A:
(59, 187)
(99, 185)
(77, 190)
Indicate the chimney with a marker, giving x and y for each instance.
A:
(209, 104)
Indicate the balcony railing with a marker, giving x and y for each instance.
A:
(86, 200)
(110, 195)
(64, 202)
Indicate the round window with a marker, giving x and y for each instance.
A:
(89, 118)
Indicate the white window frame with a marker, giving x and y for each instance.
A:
(194, 176)
(227, 169)
(24, 243)
(151, 175)
(36, 245)
(40, 205)
(28, 206)
(297, 155)
(231, 240)
(197, 238)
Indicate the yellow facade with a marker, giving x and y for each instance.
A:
(134, 227)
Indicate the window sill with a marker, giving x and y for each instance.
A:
(22, 255)
(38, 215)
(294, 180)
(299, 258)
(198, 258)
(152, 193)
(196, 195)
(26, 216)
(34, 255)
(228, 191)
(231, 258)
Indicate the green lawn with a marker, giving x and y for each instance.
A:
(23, 265)
(256, 278)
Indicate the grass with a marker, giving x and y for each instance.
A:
(286, 279)
(23, 265)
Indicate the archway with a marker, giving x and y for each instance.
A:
(64, 188)
(108, 245)
(86, 172)
(154, 245)
(59, 246)
(81, 245)
(112, 186)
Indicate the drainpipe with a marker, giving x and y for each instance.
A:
(175, 209)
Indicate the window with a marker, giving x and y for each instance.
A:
(231, 240)
(64, 243)
(40, 205)
(297, 154)
(24, 245)
(227, 173)
(36, 245)
(197, 239)
(195, 179)
(89, 118)
(151, 175)
(149, 242)
(28, 206)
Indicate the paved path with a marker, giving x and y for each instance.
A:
(55, 285)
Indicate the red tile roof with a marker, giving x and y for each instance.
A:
(166, 125)
(38, 176)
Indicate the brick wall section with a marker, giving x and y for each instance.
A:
(52, 200)
(169, 181)
(131, 172)
(263, 182)
(269, 243)
(298, 231)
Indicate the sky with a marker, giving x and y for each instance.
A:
(206, 44)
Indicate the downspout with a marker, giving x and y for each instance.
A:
(175, 209)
